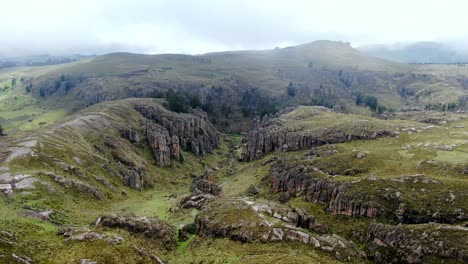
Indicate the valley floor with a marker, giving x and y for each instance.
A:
(89, 190)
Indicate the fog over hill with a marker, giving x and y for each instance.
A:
(418, 52)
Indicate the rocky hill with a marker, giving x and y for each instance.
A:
(88, 175)
(235, 86)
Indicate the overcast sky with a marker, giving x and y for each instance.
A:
(193, 27)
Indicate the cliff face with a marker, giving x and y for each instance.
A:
(296, 180)
(167, 133)
(402, 199)
(301, 127)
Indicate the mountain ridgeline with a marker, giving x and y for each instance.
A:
(235, 86)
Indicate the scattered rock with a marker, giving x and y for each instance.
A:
(22, 259)
(87, 261)
(205, 184)
(361, 155)
(84, 234)
(143, 252)
(238, 220)
(79, 186)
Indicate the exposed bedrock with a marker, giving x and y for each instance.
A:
(150, 227)
(430, 243)
(404, 199)
(248, 222)
(277, 134)
(169, 132)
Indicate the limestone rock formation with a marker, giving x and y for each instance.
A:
(403, 199)
(244, 221)
(152, 228)
(418, 244)
(167, 133)
(284, 131)
(203, 189)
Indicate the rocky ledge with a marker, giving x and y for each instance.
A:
(246, 221)
(151, 228)
(431, 243)
(300, 128)
(409, 199)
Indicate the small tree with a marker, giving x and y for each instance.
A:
(177, 102)
(292, 90)
(28, 88)
(13, 82)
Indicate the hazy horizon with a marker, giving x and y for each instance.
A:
(194, 27)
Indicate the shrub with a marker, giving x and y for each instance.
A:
(292, 90)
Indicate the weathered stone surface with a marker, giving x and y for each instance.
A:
(84, 234)
(22, 259)
(43, 215)
(27, 183)
(131, 135)
(272, 134)
(203, 189)
(167, 133)
(152, 256)
(204, 183)
(152, 228)
(293, 179)
(195, 200)
(413, 244)
(79, 186)
(372, 197)
(240, 221)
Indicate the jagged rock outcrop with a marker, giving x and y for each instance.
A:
(203, 189)
(287, 177)
(152, 228)
(77, 185)
(204, 183)
(281, 132)
(432, 243)
(239, 221)
(133, 178)
(195, 200)
(131, 135)
(294, 216)
(84, 234)
(409, 199)
(167, 133)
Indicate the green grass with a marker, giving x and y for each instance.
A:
(388, 157)
(457, 157)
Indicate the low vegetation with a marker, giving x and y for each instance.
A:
(319, 165)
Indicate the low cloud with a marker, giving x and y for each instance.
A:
(150, 26)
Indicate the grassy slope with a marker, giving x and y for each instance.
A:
(119, 74)
(388, 158)
(17, 106)
(392, 155)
